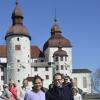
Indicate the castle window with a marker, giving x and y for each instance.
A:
(17, 47)
(46, 69)
(57, 67)
(2, 77)
(18, 81)
(75, 81)
(65, 67)
(47, 77)
(61, 58)
(2, 69)
(65, 58)
(84, 82)
(35, 60)
(62, 67)
(18, 70)
(17, 39)
(35, 68)
(18, 60)
(56, 58)
(42, 60)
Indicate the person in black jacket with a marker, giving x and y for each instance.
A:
(68, 81)
(58, 91)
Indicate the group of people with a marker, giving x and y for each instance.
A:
(61, 88)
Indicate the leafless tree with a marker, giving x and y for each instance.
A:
(96, 81)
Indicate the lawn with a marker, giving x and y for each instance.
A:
(91, 99)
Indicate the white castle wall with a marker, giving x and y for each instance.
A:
(3, 60)
(49, 55)
(42, 72)
(1, 81)
(79, 77)
(18, 70)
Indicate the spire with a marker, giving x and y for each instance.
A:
(17, 14)
(55, 28)
(55, 18)
(16, 2)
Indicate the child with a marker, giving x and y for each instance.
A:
(76, 95)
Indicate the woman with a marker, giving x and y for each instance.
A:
(13, 90)
(6, 93)
(36, 93)
(76, 95)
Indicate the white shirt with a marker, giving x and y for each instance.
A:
(23, 91)
(77, 97)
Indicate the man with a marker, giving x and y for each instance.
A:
(68, 81)
(58, 91)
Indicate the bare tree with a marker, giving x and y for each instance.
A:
(96, 81)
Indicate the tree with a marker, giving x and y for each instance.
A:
(96, 81)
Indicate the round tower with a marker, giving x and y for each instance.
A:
(18, 49)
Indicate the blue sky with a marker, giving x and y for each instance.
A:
(79, 21)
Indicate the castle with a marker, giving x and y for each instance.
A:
(19, 59)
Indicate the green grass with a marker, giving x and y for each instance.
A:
(91, 99)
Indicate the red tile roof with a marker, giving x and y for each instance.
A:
(3, 53)
(35, 52)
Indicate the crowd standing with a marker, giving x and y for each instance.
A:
(61, 88)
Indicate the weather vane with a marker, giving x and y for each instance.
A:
(55, 19)
(16, 2)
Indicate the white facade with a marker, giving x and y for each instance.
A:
(45, 73)
(3, 60)
(49, 56)
(1, 76)
(18, 58)
(83, 81)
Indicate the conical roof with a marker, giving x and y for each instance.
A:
(56, 35)
(17, 27)
(60, 52)
(17, 11)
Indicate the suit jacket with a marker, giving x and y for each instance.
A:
(56, 93)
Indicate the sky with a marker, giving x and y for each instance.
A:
(79, 21)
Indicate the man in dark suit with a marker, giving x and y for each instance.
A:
(58, 91)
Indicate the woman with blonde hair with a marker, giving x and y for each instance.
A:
(76, 94)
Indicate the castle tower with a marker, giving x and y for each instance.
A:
(18, 49)
(52, 45)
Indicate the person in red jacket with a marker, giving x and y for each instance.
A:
(13, 90)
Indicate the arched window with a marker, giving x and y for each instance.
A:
(84, 82)
(75, 81)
